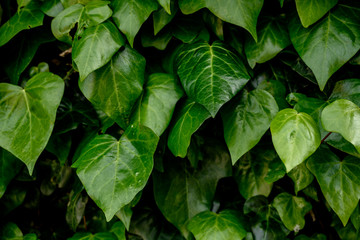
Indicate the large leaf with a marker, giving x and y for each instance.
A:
(239, 12)
(212, 226)
(295, 137)
(112, 171)
(211, 74)
(246, 119)
(156, 105)
(181, 192)
(272, 38)
(9, 168)
(95, 46)
(189, 117)
(343, 116)
(129, 15)
(325, 46)
(115, 87)
(26, 18)
(292, 210)
(27, 116)
(339, 181)
(312, 10)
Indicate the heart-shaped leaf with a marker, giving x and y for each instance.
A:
(339, 181)
(246, 119)
(325, 47)
(166, 5)
(211, 74)
(301, 177)
(295, 137)
(27, 116)
(112, 171)
(115, 87)
(212, 226)
(342, 116)
(9, 168)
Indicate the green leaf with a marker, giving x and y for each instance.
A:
(211, 74)
(166, 5)
(325, 47)
(129, 15)
(342, 116)
(28, 115)
(291, 210)
(52, 7)
(115, 87)
(26, 18)
(347, 89)
(276, 170)
(277, 90)
(339, 181)
(355, 218)
(246, 119)
(97, 236)
(125, 213)
(160, 41)
(12, 199)
(212, 226)
(157, 103)
(310, 11)
(30, 236)
(76, 206)
(337, 141)
(190, 29)
(181, 192)
(118, 229)
(95, 46)
(161, 18)
(301, 177)
(239, 12)
(9, 168)
(188, 118)
(60, 146)
(272, 38)
(295, 137)
(112, 171)
(94, 13)
(10, 231)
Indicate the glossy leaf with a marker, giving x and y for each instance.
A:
(189, 117)
(161, 18)
(89, 236)
(95, 46)
(112, 171)
(272, 38)
(246, 119)
(157, 103)
(276, 170)
(295, 137)
(301, 177)
(166, 5)
(292, 210)
(211, 74)
(115, 87)
(343, 116)
(9, 168)
(129, 15)
(52, 7)
(239, 12)
(118, 229)
(339, 181)
(28, 115)
(310, 11)
(222, 226)
(94, 13)
(324, 47)
(347, 89)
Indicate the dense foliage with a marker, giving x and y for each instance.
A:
(179, 119)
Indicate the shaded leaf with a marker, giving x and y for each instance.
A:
(161, 18)
(10, 231)
(301, 177)
(347, 89)
(118, 229)
(76, 206)
(166, 5)
(9, 168)
(89, 236)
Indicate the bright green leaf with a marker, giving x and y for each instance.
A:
(166, 5)
(211, 74)
(9, 168)
(28, 115)
(94, 13)
(301, 177)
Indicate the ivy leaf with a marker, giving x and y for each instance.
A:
(89, 236)
(310, 11)
(118, 229)
(166, 5)
(212, 226)
(129, 15)
(246, 119)
(10, 231)
(52, 7)
(161, 18)
(9, 168)
(28, 115)
(273, 37)
(347, 89)
(291, 210)
(339, 181)
(239, 12)
(112, 171)
(295, 137)
(211, 74)
(26, 18)
(342, 116)
(188, 118)
(301, 177)
(156, 105)
(115, 87)
(94, 13)
(325, 47)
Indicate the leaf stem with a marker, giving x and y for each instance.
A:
(327, 135)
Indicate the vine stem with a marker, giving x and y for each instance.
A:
(327, 135)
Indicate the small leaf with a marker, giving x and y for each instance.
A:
(347, 89)
(295, 137)
(211, 74)
(10, 231)
(212, 226)
(112, 171)
(342, 116)
(292, 210)
(27, 116)
(9, 168)
(161, 18)
(301, 177)
(76, 206)
(118, 229)
(52, 7)
(166, 5)
(97, 236)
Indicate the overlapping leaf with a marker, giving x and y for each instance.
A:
(301, 177)
(9, 167)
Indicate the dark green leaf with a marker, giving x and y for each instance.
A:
(9, 168)
(13, 198)
(52, 7)
(212, 226)
(160, 41)
(60, 146)
(277, 90)
(314, 237)
(28, 115)
(89, 236)
(355, 218)
(10, 231)
(215, 23)
(276, 170)
(118, 229)
(189, 29)
(166, 5)
(76, 206)
(211, 74)
(125, 213)
(301, 177)
(347, 89)
(161, 18)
